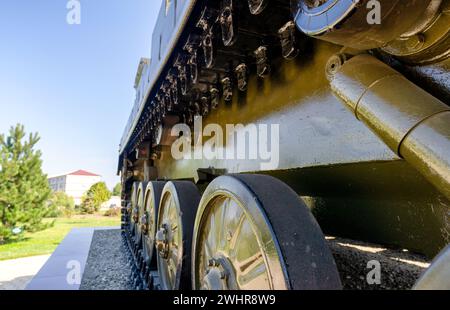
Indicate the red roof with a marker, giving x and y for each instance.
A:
(84, 173)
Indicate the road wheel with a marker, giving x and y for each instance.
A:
(140, 208)
(254, 232)
(149, 220)
(133, 212)
(176, 215)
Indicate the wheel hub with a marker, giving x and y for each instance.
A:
(162, 242)
(135, 215)
(144, 225)
(219, 275)
(129, 208)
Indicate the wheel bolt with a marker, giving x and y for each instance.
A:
(212, 262)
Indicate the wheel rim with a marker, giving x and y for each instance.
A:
(282, 245)
(139, 209)
(134, 207)
(139, 212)
(149, 218)
(169, 241)
(235, 247)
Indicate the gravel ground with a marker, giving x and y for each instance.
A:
(106, 267)
(400, 269)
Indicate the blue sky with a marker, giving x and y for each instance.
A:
(73, 83)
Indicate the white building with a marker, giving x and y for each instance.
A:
(74, 184)
(113, 202)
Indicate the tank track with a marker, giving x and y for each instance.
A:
(142, 276)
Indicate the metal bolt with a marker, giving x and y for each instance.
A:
(229, 236)
(415, 42)
(334, 64)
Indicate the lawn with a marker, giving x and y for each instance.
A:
(46, 241)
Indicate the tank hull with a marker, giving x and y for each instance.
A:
(354, 183)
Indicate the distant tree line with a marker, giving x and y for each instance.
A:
(117, 190)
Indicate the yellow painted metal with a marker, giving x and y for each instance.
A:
(413, 123)
(427, 147)
(348, 23)
(318, 137)
(429, 40)
(315, 129)
(385, 202)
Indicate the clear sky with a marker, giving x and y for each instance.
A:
(73, 83)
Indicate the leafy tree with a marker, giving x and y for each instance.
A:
(24, 189)
(94, 197)
(61, 205)
(101, 193)
(117, 190)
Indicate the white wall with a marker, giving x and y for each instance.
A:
(77, 185)
(114, 200)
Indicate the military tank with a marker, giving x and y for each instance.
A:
(356, 94)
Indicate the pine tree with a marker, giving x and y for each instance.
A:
(24, 189)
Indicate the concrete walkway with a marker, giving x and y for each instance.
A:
(15, 274)
(64, 269)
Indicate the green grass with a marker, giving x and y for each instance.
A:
(46, 241)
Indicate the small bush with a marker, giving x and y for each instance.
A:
(112, 212)
(61, 205)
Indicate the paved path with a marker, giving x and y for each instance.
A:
(16, 273)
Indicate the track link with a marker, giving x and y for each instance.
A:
(143, 276)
